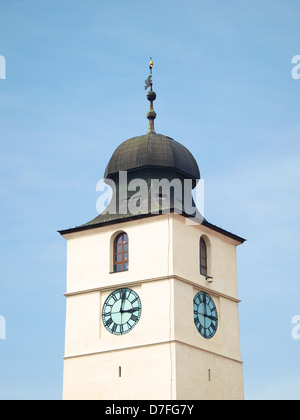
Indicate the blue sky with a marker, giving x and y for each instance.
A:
(74, 90)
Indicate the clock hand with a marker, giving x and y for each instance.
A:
(213, 318)
(123, 298)
(131, 310)
(126, 310)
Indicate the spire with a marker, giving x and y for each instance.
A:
(151, 96)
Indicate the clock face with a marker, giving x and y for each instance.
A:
(205, 315)
(121, 311)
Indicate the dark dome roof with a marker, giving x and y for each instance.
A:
(152, 150)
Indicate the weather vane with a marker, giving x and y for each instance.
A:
(151, 96)
(148, 81)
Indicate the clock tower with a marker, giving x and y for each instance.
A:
(151, 299)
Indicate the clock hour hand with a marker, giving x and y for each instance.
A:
(130, 310)
(213, 318)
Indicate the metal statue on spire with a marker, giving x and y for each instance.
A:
(151, 96)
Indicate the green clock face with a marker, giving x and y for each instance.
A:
(121, 311)
(205, 315)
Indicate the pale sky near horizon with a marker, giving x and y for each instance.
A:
(74, 90)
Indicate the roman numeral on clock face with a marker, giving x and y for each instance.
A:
(134, 318)
(134, 300)
(108, 322)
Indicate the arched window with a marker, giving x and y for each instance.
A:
(121, 252)
(203, 257)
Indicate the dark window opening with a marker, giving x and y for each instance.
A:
(203, 257)
(121, 252)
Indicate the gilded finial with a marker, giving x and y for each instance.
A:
(150, 64)
(151, 96)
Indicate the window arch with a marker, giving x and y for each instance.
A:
(203, 257)
(120, 252)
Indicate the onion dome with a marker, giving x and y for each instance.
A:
(153, 150)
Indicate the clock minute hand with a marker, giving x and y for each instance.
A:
(123, 297)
